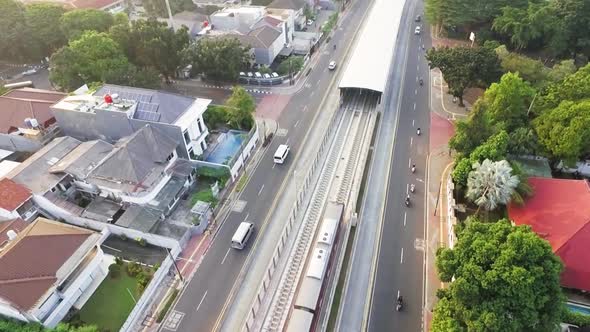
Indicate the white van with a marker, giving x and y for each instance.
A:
(281, 154)
(242, 235)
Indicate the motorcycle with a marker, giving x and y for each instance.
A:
(407, 201)
(413, 168)
(421, 82)
(400, 304)
(412, 188)
(418, 132)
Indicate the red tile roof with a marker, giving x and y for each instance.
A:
(559, 212)
(12, 194)
(29, 268)
(17, 105)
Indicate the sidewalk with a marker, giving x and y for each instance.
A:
(443, 113)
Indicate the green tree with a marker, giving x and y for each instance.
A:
(494, 148)
(241, 107)
(530, 70)
(14, 29)
(151, 44)
(44, 32)
(491, 184)
(464, 67)
(523, 141)
(219, 59)
(470, 133)
(573, 87)
(501, 278)
(561, 70)
(157, 8)
(507, 102)
(565, 130)
(292, 65)
(524, 26)
(75, 22)
(571, 27)
(91, 58)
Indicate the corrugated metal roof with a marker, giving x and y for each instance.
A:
(368, 67)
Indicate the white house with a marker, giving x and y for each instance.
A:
(16, 201)
(114, 112)
(48, 268)
(235, 18)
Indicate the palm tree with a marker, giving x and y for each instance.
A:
(491, 183)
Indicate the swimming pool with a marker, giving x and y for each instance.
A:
(582, 309)
(228, 146)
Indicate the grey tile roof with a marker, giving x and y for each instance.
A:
(170, 106)
(82, 160)
(168, 194)
(140, 218)
(136, 161)
(287, 4)
(34, 173)
(264, 35)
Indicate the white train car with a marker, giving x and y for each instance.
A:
(310, 294)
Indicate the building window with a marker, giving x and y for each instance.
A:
(187, 138)
(170, 156)
(200, 126)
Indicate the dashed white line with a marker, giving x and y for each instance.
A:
(401, 258)
(409, 162)
(407, 188)
(273, 165)
(414, 106)
(224, 257)
(304, 109)
(405, 217)
(416, 91)
(260, 191)
(296, 124)
(411, 140)
(418, 67)
(247, 215)
(287, 141)
(202, 299)
(413, 123)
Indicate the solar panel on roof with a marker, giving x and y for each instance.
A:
(147, 116)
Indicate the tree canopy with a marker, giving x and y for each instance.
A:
(464, 67)
(491, 184)
(219, 59)
(504, 278)
(9, 325)
(14, 29)
(74, 23)
(152, 44)
(241, 107)
(44, 30)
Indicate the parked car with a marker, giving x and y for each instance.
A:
(332, 65)
(258, 75)
(417, 30)
(274, 75)
(242, 74)
(265, 75)
(250, 74)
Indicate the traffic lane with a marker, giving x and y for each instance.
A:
(264, 182)
(213, 277)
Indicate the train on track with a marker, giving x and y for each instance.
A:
(312, 286)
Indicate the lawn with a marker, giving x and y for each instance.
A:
(110, 305)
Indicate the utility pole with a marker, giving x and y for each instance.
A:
(170, 14)
(169, 254)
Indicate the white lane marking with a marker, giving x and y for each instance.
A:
(260, 191)
(419, 180)
(411, 140)
(398, 293)
(416, 91)
(304, 109)
(409, 162)
(246, 219)
(296, 124)
(287, 141)
(401, 258)
(202, 299)
(407, 188)
(413, 123)
(418, 67)
(224, 257)
(273, 165)
(414, 106)
(405, 217)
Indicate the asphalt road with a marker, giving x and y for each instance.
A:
(204, 296)
(400, 259)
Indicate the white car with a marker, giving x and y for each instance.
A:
(274, 75)
(332, 65)
(266, 75)
(417, 30)
(250, 74)
(242, 74)
(258, 75)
